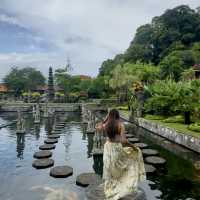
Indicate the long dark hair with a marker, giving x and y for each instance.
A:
(112, 124)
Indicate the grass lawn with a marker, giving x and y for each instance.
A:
(179, 127)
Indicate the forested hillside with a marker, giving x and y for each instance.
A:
(170, 41)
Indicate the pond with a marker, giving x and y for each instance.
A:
(20, 181)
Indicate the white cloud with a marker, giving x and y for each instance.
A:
(88, 31)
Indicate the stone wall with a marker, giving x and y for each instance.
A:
(188, 141)
(58, 107)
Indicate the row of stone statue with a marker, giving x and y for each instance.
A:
(48, 112)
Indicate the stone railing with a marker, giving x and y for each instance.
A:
(171, 134)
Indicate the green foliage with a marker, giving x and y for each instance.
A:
(175, 63)
(99, 88)
(194, 127)
(168, 97)
(171, 40)
(188, 74)
(174, 119)
(35, 94)
(24, 79)
(59, 94)
(154, 117)
(122, 107)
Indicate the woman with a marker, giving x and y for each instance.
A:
(123, 162)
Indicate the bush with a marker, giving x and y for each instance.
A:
(174, 119)
(194, 127)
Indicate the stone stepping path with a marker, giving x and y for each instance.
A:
(149, 168)
(43, 163)
(133, 140)
(86, 179)
(141, 145)
(96, 192)
(53, 136)
(61, 171)
(47, 147)
(42, 154)
(155, 160)
(149, 152)
(129, 135)
(51, 141)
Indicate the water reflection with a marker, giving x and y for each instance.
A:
(98, 164)
(20, 145)
(90, 144)
(37, 131)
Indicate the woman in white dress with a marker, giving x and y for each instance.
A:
(123, 162)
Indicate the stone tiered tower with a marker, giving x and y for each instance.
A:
(51, 92)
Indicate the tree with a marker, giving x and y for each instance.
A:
(175, 63)
(121, 80)
(62, 79)
(24, 79)
(98, 88)
(169, 97)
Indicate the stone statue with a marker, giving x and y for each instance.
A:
(37, 114)
(46, 111)
(20, 123)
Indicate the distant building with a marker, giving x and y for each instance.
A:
(3, 88)
(196, 68)
(84, 77)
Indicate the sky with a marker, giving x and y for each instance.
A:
(46, 33)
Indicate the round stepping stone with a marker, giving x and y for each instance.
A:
(53, 136)
(42, 154)
(141, 145)
(149, 168)
(51, 141)
(133, 140)
(55, 132)
(86, 179)
(60, 126)
(149, 152)
(129, 135)
(47, 147)
(155, 160)
(61, 171)
(96, 192)
(43, 163)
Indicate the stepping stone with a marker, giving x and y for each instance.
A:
(42, 154)
(96, 192)
(55, 132)
(149, 152)
(47, 147)
(61, 171)
(51, 141)
(155, 160)
(53, 136)
(141, 145)
(149, 168)
(86, 179)
(129, 135)
(133, 140)
(43, 163)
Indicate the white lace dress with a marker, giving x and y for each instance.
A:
(123, 169)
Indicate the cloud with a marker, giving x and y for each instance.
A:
(87, 31)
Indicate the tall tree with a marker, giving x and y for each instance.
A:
(24, 79)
